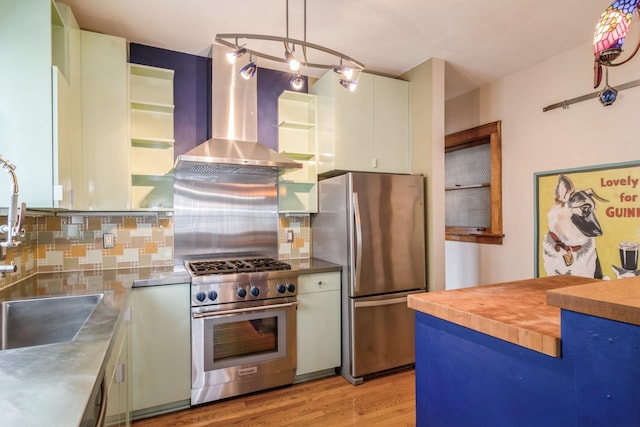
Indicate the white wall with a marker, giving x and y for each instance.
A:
(427, 157)
(585, 134)
(462, 264)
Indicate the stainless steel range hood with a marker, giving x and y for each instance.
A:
(234, 128)
(229, 156)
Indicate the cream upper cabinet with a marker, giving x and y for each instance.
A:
(36, 79)
(364, 130)
(63, 109)
(105, 124)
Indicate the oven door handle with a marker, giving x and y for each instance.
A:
(242, 310)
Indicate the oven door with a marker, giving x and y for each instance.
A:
(240, 349)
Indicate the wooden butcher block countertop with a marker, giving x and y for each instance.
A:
(516, 312)
(612, 299)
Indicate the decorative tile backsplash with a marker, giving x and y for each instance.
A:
(301, 246)
(74, 242)
(23, 256)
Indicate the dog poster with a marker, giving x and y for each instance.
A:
(588, 221)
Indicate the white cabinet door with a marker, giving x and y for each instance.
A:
(391, 125)
(161, 348)
(64, 104)
(117, 377)
(33, 45)
(318, 326)
(354, 127)
(365, 130)
(105, 118)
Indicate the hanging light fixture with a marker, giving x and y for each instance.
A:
(345, 72)
(610, 33)
(350, 85)
(297, 82)
(345, 67)
(235, 54)
(249, 70)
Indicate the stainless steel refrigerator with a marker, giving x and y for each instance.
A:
(373, 226)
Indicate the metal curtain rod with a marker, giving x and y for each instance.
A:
(565, 104)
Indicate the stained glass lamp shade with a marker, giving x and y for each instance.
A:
(611, 30)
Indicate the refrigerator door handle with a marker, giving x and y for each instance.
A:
(390, 301)
(358, 246)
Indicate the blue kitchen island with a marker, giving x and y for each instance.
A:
(554, 351)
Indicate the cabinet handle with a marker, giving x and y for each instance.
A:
(120, 373)
(320, 283)
(102, 412)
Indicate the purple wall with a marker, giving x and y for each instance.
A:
(192, 95)
(191, 92)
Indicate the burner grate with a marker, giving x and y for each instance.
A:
(211, 267)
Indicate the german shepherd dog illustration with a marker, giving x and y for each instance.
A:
(570, 245)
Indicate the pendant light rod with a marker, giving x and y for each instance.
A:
(287, 21)
(347, 68)
(565, 104)
(222, 39)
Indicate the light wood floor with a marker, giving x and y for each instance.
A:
(386, 400)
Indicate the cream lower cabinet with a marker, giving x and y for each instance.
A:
(117, 377)
(161, 349)
(318, 327)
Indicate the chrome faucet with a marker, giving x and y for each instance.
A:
(14, 218)
(7, 268)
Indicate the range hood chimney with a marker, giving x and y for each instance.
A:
(233, 147)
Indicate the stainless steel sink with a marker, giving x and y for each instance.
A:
(31, 322)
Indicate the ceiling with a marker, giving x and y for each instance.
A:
(480, 40)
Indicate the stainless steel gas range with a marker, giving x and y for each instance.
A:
(243, 302)
(243, 327)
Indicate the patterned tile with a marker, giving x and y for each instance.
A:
(151, 248)
(78, 250)
(53, 224)
(74, 243)
(301, 227)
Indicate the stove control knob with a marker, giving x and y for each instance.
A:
(242, 292)
(281, 288)
(291, 287)
(255, 291)
(213, 295)
(201, 296)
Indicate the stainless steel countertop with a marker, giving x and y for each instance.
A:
(312, 265)
(50, 385)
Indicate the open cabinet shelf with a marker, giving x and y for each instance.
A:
(152, 136)
(297, 115)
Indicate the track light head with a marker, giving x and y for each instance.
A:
(350, 85)
(248, 71)
(235, 54)
(294, 65)
(346, 72)
(297, 82)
